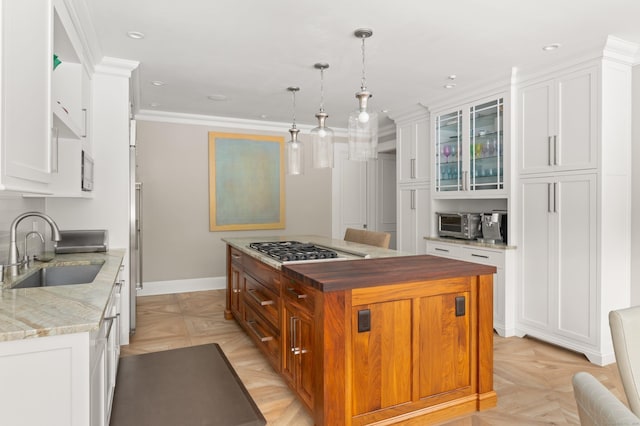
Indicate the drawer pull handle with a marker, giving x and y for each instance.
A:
(479, 255)
(259, 335)
(254, 295)
(235, 256)
(441, 249)
(295, 293)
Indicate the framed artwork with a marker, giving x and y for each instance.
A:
(246, 182)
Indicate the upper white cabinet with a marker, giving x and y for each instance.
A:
(469, 150)
(412, 134)
(25, 122)
(557, 123)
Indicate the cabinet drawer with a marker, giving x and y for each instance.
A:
(443, 249)
(236, 256)
(264, 335)
(299, 294)
(262, 300)
(484, 257)
(266, 275)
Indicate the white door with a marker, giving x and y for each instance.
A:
(349, 192)
(385, 196)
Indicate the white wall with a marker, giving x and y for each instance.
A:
(173, 167)
(635, 189)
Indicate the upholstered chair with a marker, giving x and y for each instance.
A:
(597, 406)
(625, 332)
(372, 238)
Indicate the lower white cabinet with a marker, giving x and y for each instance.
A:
(63, 380)
(503, 280)
(412, 219)
(558, 276)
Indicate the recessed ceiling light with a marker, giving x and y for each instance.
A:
(264, 116)
(449, 86)
(158, 83)
(135, 34)
(550, 47)
(452, 77)
(217, 97)
(154, 104)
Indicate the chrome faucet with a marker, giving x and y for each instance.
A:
(13, 245)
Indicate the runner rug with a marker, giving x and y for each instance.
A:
(189, 386)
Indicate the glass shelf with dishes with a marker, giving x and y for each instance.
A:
(483, 169)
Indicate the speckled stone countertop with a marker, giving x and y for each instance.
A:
(347, 248)
(472, 243)
(45, 311)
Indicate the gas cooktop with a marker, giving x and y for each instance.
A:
(287, 251)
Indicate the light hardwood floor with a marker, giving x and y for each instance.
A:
(532, 378)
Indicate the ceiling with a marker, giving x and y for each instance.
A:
(250, 51)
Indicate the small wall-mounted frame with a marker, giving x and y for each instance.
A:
(246, 182)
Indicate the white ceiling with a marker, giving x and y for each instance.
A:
(252, 50)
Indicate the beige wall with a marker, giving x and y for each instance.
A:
(173, 167)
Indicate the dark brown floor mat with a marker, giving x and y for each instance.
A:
(193, 386)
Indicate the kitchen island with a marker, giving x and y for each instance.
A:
(385, 339)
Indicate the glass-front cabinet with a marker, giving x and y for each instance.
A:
(469, 149)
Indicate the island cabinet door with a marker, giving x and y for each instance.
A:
(445, 346)
(297, 360)
(382, 355)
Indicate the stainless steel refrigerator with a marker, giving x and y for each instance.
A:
(135, 230)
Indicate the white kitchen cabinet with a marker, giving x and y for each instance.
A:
(575, 202)
(504, 306)
(469, 150)
(557, 298)
(25, 121)
(68, 378)
(557, 123)
(413, 217)
(412, 144)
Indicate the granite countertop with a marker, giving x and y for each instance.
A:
(350, 249)
(45, 311)
(472, 243)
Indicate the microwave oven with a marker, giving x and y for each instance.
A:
(463, 225)
(86, 170)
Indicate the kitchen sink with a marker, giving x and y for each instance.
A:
(60, 275)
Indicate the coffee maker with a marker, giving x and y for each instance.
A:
(494, 227)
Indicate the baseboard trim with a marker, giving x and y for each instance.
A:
(155, 288)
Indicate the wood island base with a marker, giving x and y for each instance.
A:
(403, 340)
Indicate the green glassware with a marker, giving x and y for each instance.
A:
(56, 61)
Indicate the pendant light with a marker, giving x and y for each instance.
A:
(363, 123)
(322, 136)
(295, 158)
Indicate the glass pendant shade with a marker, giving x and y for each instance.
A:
(294, 154)
(363, 123)
(363, 132)
(322, 136)
(322, 143)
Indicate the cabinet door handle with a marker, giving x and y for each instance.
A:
(441, 249)
(259, 335)
(549, 198)
(235, 256)
(295, 293)
(262, 302)
(479, 255)
(555, 150)
(413, 199)
(293, 335)
(55, 157)
(549, 150)
(555, 197)
(413, 168)
(84, 112)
